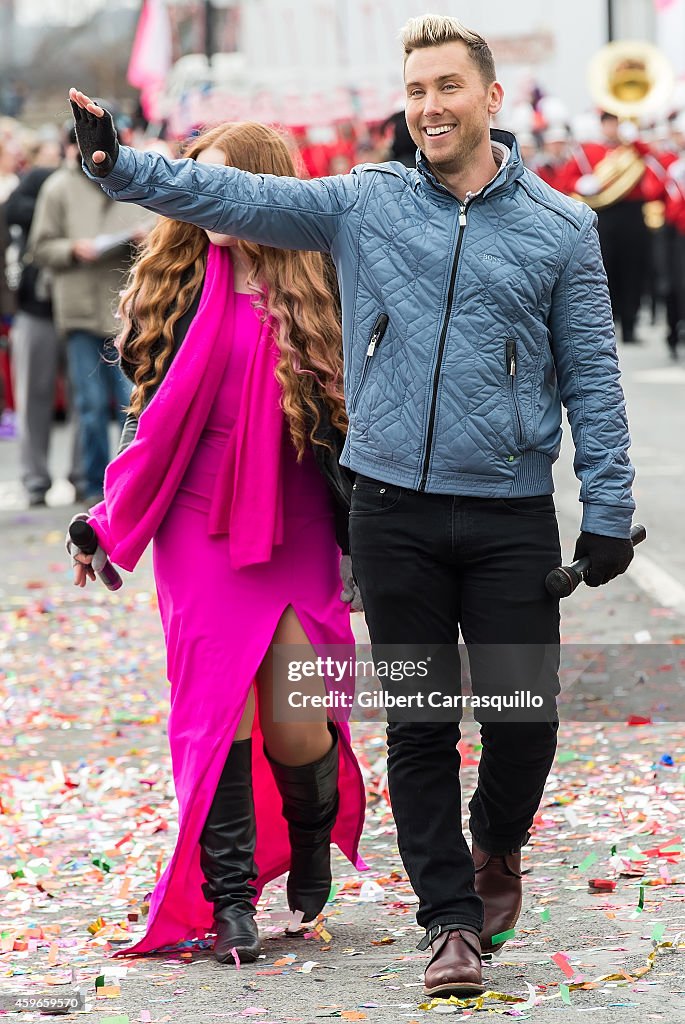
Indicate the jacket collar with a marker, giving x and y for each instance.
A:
(506, 175)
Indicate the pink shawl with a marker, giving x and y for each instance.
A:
(141, 482)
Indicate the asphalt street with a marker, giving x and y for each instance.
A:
(84, 763)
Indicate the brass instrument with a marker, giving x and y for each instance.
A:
(630, 79)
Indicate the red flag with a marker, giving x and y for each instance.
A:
(151, 55)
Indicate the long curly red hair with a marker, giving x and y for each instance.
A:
(295, 288)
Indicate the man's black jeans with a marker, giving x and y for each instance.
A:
(428, 566)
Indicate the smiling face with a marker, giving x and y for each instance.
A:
(448, 106)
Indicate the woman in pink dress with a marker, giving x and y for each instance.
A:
(236, 421)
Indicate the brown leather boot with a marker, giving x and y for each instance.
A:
(454, 969)
(498, 883)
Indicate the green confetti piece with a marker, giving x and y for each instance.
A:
(587, 862)
(641, 901)
(672, 849)
(120, 1018)
(613, 851)
(566, 755)
(333, 893)
(100, 981)
(503, 936)
(102, 863)
(658, 932)
(544, 916)
(565, 995)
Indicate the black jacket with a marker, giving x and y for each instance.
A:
(338, 478)
(33, 294)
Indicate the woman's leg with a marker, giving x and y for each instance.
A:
(227, 846)
(292, 743)
(304, 761)
(244, 730)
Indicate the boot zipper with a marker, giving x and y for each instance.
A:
(379, 329)
(511, 371)
(441, 349)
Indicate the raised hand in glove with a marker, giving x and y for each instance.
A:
(95, 134)
(609, 557)
(350, 592)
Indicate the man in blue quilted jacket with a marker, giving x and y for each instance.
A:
(474, 304)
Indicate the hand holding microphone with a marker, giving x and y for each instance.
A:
(82, 539)
(598, 559)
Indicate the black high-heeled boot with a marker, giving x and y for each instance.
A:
(310, 806)
(227, 858)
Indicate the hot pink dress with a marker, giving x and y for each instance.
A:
(218, 623)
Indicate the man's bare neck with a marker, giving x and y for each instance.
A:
(469, 180)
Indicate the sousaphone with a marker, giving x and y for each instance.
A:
(631, 79)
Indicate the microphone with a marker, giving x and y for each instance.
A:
(563, 581)
(85, 538)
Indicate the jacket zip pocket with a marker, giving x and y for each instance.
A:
(379, 329)
(511, 373)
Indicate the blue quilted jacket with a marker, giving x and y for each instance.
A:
(466, 326)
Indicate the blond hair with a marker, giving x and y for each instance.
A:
(295, 288)
(437, 29)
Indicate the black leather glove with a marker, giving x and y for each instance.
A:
(94, 133)
(609, 557)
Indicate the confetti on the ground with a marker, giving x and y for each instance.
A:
(563, 964)
(89, 821)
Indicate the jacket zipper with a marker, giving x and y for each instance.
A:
(379, 329)
(511, 371)
(441, 349)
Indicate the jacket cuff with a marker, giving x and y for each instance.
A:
(607, 520)
(121, 175)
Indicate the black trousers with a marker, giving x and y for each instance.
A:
(428, 567)
(624, 240)
(678, 258)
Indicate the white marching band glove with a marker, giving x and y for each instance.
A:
(588, 185)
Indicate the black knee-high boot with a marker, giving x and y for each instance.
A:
(310, 806)
(227, 858)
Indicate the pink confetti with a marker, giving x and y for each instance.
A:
(562, 962)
